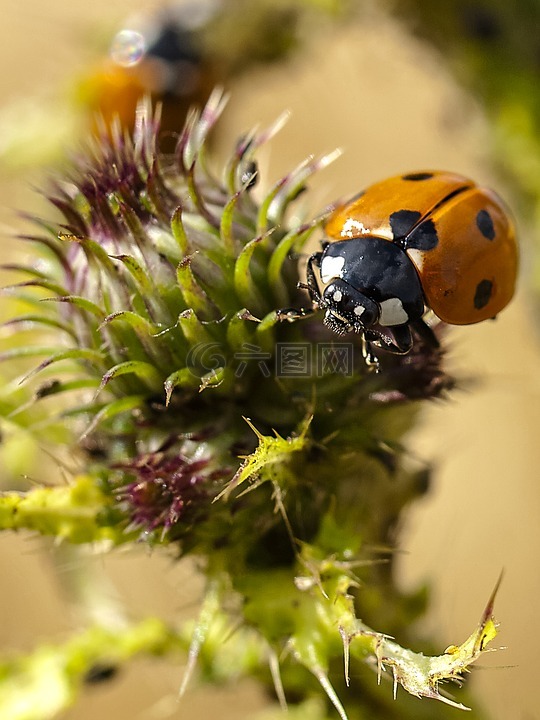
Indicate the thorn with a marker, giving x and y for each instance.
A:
(330, 692)
(280, 507)
(329, 158)
(449, 701)
(259, 435)
(487, 615)
(193, 655)
(379, 656)
(273, 129)
(346, 654)
(200, 632)
(273, 663)
(488, 612)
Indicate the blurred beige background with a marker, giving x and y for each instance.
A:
(392, 106)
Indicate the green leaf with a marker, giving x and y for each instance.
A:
(26, 269)
(135, 227)
(137, 272)
(196, 196)
(225, 228)
(239, 332)
(272, 454)
(294, 183)
(28, 351)
(81, 303)
(113, 409)
(193, 329)
(96, 253)
(57, 387)
(143, 370)
(194, 296)
(210, 249)
(264, 331)
(32, 319)
(178, 231)
(142, 327)
(213, 379)
(144, 342)
(262, 216)
(14, 403)
(44, 284)
(296, 238)
(244, 283)
(79, 354)
(183, 378)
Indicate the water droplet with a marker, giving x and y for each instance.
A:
(128, 47)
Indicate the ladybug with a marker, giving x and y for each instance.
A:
(160, 56)
(425, 240)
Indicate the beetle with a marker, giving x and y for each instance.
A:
(426, 240)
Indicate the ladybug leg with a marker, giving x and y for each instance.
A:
(403, 339)
(371, 360)
(426, 334)
(312, 287)
(397, 340)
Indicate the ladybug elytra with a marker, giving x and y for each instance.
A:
(425, 240)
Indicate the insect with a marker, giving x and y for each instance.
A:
(100, 672)
(425, 240)
(160, 55)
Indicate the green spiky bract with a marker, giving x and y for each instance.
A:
(201, 423)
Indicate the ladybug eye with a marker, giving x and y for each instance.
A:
(348, 307)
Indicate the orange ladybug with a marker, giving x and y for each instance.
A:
(429, 239)
(160, 55)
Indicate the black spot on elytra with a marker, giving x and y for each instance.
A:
(423, 237)
(482, 294)
(418, 176)
(403, 221)
(485, 224)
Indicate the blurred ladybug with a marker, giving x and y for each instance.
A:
(100, 673)
(160, 56)
(425, 240)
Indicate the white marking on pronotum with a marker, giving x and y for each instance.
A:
(331, 267)
(359, 309)
(392, 312)
(337, 295)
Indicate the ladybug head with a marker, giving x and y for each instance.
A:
(347, 309)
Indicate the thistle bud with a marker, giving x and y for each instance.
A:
(268, 448)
